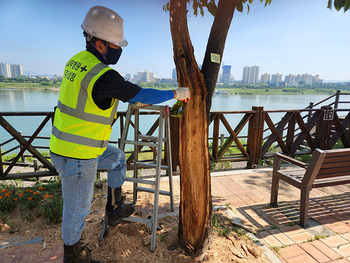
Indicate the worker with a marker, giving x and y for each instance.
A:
(86, 108)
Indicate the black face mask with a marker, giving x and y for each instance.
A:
(113, 55)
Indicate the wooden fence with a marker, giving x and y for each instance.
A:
(234, 136)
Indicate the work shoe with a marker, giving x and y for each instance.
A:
(116, 208)
(77, 254)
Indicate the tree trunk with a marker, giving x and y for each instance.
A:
(216, 45)
(195, 196)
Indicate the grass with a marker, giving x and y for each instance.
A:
(44, 85)
(276, 249)
(226, 231)
(218, 228)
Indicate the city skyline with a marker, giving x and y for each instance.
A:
(286, 37)
(250, 76)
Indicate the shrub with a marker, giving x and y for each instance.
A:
(39, 200)
(52, 208)
(8, 200)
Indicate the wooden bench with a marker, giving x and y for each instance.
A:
(326, 168)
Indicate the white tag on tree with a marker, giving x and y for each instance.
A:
(215, 58)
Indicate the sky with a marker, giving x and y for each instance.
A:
(286, 37)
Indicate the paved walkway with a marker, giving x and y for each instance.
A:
(247, 192)
(326, 239)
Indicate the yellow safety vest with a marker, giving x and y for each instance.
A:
(81, 129)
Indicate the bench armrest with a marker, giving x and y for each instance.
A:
(279, 156)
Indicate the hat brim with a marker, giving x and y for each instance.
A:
(124, 43)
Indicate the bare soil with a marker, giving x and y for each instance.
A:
(129, 242)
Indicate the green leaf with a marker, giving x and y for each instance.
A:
(195, 7)
(239, 6)
(212, 8)
(338, 4)
(329, 5)
(166, 7)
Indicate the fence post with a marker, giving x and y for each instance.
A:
(255, 136)
(311, 105)
(1, 168)
(21, 147)
(216, 137)
(336, 103)
(323, 128)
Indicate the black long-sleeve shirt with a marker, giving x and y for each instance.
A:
(110, 85)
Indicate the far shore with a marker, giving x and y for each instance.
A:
(222, 91)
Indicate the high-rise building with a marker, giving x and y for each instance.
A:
(246, 75)
(306, 79)
(145, 76)
(174, 74)
(250, 74)
(265, 78)
(11, 70)
(291, 80)
(16, 70)
(5, 70)
(276, 78)
(226, 74)
(316, 80)
(254, 74)
(128, 77)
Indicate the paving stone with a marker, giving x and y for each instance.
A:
(346, 236)
(302, 258)
(339, 227)
(271, 241)
(343, 260)
(301, 237)
(343, 250)
(291, 251)
(273, 220)
(334, 241)
(292, 230)
(263, 234)
(281, 237)
(326, 249)
(314, 252)
(316, 229)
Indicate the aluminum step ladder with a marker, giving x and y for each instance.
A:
(157, 143)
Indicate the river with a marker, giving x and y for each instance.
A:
(13, 100)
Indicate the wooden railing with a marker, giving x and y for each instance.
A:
(234, 136)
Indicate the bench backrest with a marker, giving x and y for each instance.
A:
(336, 163)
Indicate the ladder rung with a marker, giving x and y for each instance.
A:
(151, 190)
(150, 165)
(140, 181)
(149, 144)
(150, 138)
(150, 107)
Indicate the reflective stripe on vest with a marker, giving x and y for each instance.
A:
(78, 112)
(78, 139)
(81, 129)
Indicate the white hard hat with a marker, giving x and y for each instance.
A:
(105, 24)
